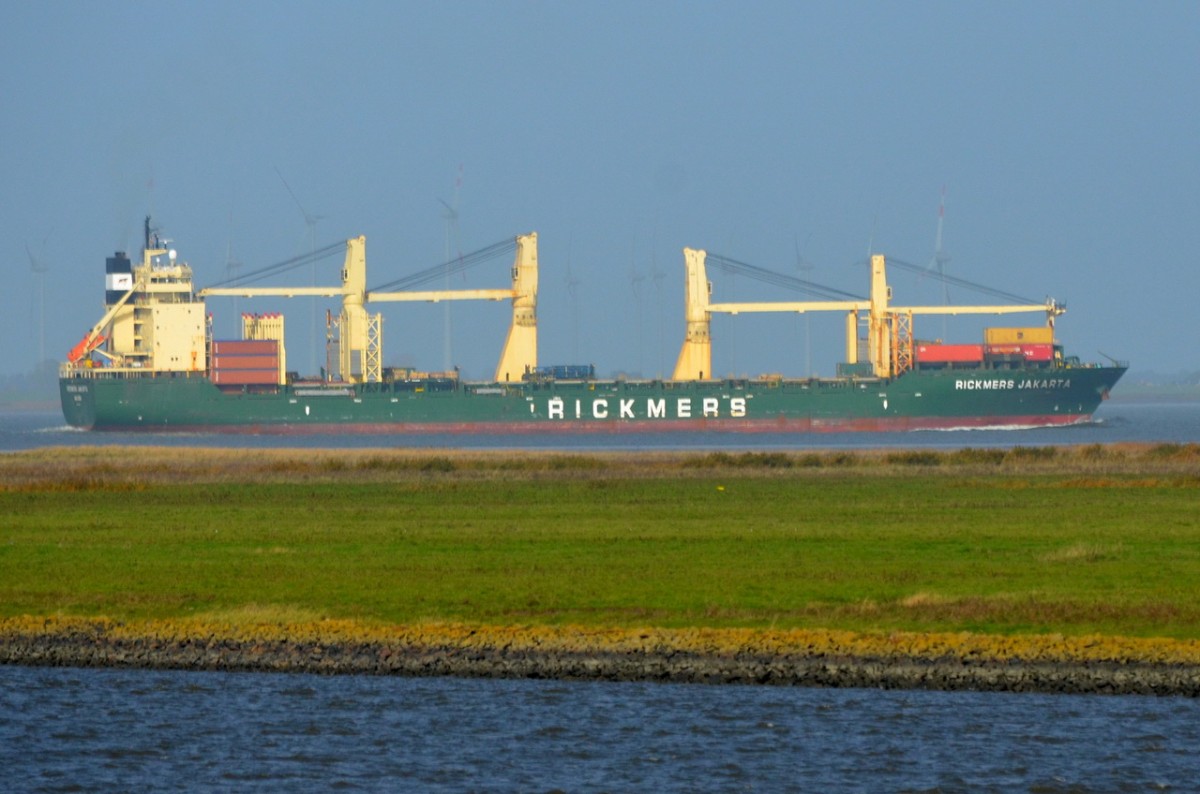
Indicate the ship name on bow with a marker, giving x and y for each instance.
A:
(997, 384)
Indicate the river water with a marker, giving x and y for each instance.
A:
(121, 730)
(125, 730)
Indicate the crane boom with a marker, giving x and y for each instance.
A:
(439, 295)
(799, 307)
(1052, 308)
(266, 292)
(95, 337)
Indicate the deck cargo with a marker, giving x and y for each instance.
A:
(245, 377)
(1017, 336)
(228, 362)
(950, 354)
(1027, 352)
(245, 347)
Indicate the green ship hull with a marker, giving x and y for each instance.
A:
(934, 399)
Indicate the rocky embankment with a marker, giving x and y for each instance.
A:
(1041, 663)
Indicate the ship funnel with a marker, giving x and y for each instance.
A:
(118, 277)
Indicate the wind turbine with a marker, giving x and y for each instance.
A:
(871, 240)
(940, 258)
(805, 267)
(636, 279)
(233, 268)
(573, 292)
(39, 269)
(450, 215)
(310, 221)
(656, 275)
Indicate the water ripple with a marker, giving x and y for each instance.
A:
(71, 730)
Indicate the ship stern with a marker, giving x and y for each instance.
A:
(78, 402)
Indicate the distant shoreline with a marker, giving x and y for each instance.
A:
(709, 656)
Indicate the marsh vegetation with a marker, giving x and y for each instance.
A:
(1069, 540)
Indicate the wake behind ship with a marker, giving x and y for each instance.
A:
(152, 363)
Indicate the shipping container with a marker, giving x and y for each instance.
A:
(949, 354)
(245, 377)
(226, 361)
(859, 369)
(246, 347)
(567, 371)
(1039, 335)
(1038, 352)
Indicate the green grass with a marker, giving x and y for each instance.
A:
(1072, 542)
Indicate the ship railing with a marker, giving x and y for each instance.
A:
(76, 372)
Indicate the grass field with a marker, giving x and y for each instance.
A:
(1093, 540)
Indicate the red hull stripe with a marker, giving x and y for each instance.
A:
(568, 427)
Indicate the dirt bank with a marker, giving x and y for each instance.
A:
(712, 656)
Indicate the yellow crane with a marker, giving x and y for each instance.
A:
(360, 348)
(889, 328)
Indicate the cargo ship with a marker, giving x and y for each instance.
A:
(152, 363)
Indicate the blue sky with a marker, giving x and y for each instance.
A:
(1066, 136)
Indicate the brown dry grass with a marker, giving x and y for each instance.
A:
(134, 468)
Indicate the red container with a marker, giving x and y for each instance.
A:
(246, 347)
(949, 354)
(1038, 352)
(1028, 352)
(245, 377)
(225, 361)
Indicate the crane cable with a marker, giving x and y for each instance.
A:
(961, 282)
(281, 267)
(734, 267)
(457, 265)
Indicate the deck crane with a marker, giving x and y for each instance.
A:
(889, 328)
(360, 332)
(94, 338)
(695, 357)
